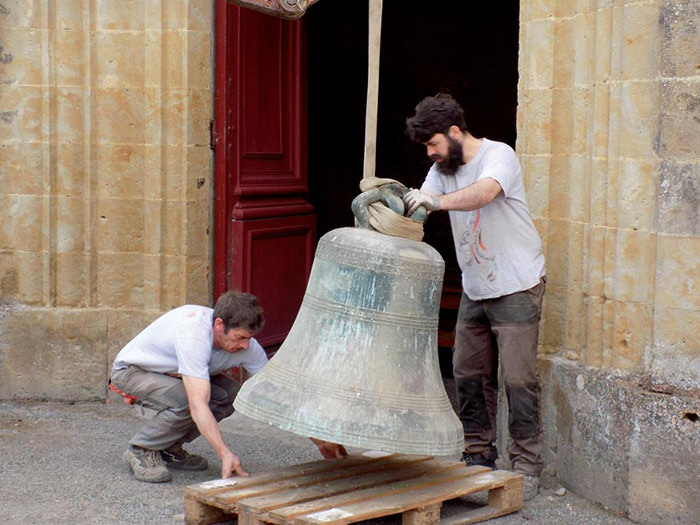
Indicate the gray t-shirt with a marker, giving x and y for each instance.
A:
(498, 248)
(181, 342)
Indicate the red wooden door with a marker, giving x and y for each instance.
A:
(265, 229)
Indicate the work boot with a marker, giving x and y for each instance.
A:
(178, 458)
(147, 465)
(477, 459)
(531, 486)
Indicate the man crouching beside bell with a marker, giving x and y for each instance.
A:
(176, 367)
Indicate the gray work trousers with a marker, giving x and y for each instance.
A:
(504, 328)
(172, 424)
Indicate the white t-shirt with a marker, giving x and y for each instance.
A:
(498, 248)
(181, 342)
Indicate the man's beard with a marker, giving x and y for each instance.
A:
(453, 160)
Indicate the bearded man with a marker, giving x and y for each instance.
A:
(479, 182)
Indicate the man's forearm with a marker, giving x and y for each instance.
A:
(209, 428)
(472, 197)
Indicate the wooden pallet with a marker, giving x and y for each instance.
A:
(356, 488)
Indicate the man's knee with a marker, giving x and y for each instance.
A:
(472, 404)
(524, 410)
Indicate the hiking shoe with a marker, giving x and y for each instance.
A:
(477, 459)
(531, 485)
(179, 458)
(147, 465)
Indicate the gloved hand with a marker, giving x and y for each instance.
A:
(416, 198)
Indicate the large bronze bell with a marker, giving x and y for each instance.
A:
(360, 366)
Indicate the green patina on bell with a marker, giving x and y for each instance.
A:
(360, 364)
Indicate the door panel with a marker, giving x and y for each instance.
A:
(265, 226)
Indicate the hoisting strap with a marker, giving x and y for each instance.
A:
(383, 219)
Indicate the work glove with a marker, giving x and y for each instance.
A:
(416, 198)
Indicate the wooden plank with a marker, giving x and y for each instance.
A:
(229, 499)
(424, 496)
(422, 515)
(447, 472)
(202, 514)
(502, 500)
(294, 500)
(207, 490)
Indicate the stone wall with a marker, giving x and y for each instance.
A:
(106, 190)
(609, 136)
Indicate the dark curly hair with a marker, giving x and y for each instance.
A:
(435, 115)
(239, 310)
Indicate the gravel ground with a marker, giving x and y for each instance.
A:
(61, 463)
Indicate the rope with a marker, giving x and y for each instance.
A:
(387, 221)
(382, 218)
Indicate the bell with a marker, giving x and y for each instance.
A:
(359, 366)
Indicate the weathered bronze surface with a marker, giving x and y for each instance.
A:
(360, 365)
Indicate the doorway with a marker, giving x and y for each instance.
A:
(467, 49)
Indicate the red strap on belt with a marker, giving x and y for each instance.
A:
(128, 399)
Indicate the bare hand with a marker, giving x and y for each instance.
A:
(330, 450)
(230, 465)
(416, 198)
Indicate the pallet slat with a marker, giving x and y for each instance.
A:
(354, 489)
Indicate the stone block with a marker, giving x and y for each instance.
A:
(536, 171)
(121, 225)
(172, 240)
(585, 45)
(677, 270)
(576, 320)
(553, 328)
(69, 14)
(679, 131)
(594, 260)
(20, 50)
(19, 158)
(123, 15)
(72, 175)
(199, 60)
(558, 252)
(638, 182)
(121, 62)
(166, 60)
(198, 238)
(173, 268)
(198, 116)
(598, 184)
(664, 459)
(120, 278)
(565, 52)
(579, 188)
(199, 181)
(119, 117)
(562, 121)
(592, 350)
(639, 115)
(200, 15)
(678, 204)
(70, 58)
(22, 114)
(71, 108)
(634, 266)
(24, 14)
(632, 334)
(603, 46)
(673, 361)
(587, 427)
(610, 441)
(640, 57)
(53, 353)
(72, 280)
(199, 280)
(72, 224)
(535, 66)
(122, 170)
(535, 122)
(23, 228)
(680, 21)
